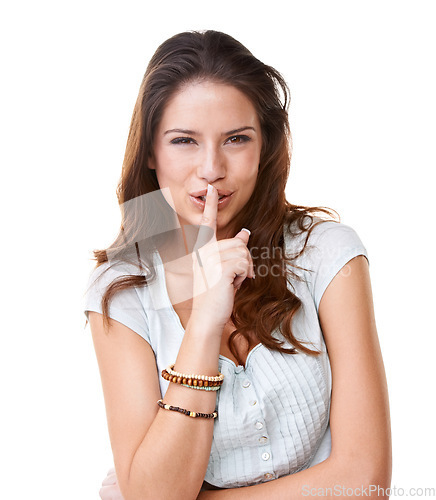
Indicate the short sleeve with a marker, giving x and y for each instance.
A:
(330, 246)
(125, 306)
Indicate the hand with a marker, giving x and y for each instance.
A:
(219, 267)
(109, 487)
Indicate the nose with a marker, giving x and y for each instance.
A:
(211, 166)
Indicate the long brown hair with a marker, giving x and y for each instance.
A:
(266, 303)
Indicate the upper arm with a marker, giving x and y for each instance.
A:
(359, 418)
(130, 385)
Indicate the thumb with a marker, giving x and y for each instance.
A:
(244, 235)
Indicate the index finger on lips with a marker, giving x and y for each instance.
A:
(207, 230)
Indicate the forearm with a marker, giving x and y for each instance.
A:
(172, 459)
(328, 479)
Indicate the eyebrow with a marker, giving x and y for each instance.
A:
(193, 132)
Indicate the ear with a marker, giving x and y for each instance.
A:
(150, 163)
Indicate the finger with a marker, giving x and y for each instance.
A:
(240, 277)
(207, 229)
(242, 269)
(244, 235)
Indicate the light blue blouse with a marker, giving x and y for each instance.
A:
(274, 412)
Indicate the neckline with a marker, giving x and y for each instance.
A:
(166, 298)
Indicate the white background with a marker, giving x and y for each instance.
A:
(363, 111)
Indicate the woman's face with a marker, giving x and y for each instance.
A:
(209, 133)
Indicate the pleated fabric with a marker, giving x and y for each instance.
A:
(272, 417)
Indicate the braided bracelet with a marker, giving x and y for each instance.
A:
(193, 414)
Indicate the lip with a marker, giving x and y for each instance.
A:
(221, 192)
(200, 203)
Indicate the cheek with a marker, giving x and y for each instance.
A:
(171, 177)
(251, 168)
(169, 171)
(245, 164)
(253, 159)
(173, 167)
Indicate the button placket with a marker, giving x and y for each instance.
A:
(263, 440)
(246, 384)
(264, 448)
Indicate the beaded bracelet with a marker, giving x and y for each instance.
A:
(218, 378)
(193, 414)
(192, 380)
(215, 388)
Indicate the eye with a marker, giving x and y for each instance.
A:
(183, 140)
(238, 139)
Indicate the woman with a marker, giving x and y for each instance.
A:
(217, 283)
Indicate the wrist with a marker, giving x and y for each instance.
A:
(203, 325)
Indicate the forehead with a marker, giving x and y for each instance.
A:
(209, 104)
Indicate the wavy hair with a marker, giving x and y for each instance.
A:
(266, 303)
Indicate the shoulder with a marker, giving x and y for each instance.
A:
(107, 272)
(321, 238)
(125, 305)
(116, 275)
(321, 250)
